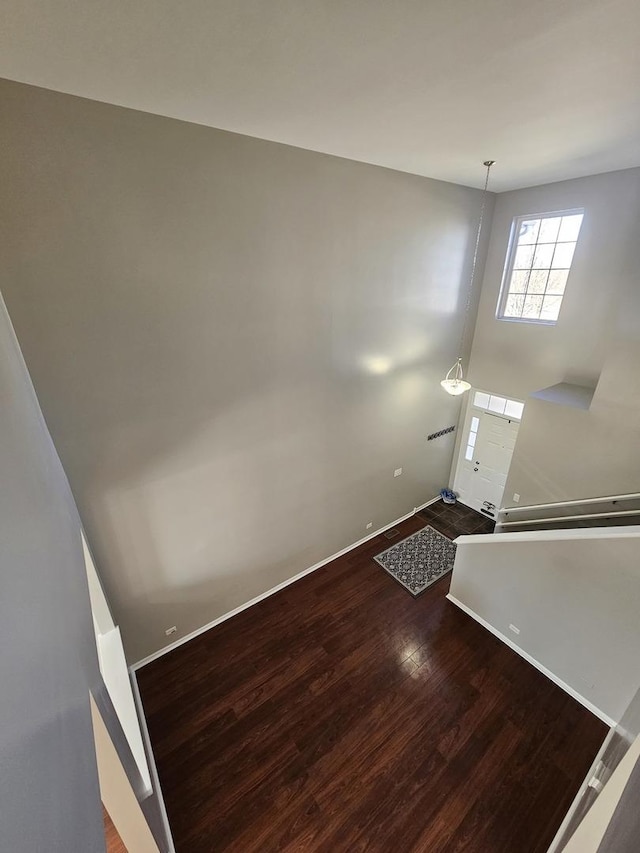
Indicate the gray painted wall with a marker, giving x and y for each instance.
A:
(49, 794)
(623, 832)
(234, 342)
(565, 453)
(48, 779)
(518, 358)
(574, 618)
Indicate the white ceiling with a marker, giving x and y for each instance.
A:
(550, 89)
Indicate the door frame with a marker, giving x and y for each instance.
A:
(472, 410)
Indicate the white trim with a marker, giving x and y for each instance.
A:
(550, 675)
(116, 677)
(151, 759)
(615, 532)
(558, 837)
(102, 618)
(582, 502)
(621, 513)
(113, 666)
(163, 651)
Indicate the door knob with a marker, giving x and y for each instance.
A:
(475, 469)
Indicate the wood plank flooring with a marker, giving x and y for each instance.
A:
(342, 714)
(112, 840)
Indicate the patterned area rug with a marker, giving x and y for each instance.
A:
(419, 560)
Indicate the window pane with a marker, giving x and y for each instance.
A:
(551, 307)
(475, 422)
(469, 453)
(528, 231)
(543, 255)
(514, 409)
(497, 404)
(538, 281)
(570, 227)
(514, 305)
(549, 229)
(472, 439)
(481, 400)
(539, 265)
(524, 256)
(563, 255)
(519, 281)
(532, 306)
(557, 281)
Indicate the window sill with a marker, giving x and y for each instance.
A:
(529, 322)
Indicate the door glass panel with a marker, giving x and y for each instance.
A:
(497, 404)
(514, 409)
(472, 439)
(469, 453)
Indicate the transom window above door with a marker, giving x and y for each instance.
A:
(511, 409)
(537, 266)
(498, 405)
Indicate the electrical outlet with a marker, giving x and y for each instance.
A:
(370, 525)
(514, 629)
(171, 631)
(397, 472)
(516, 498)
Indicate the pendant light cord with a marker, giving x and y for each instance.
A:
(488, 164)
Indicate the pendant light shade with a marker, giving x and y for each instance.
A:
(454, 382)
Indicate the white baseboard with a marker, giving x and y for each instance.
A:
(577, 696)
(166, 649)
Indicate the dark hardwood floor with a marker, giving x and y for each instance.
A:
(341, 714)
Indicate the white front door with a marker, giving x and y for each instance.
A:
(485, 456)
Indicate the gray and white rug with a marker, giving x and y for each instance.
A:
(419, 560)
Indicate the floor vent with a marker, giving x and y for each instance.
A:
(389, 534)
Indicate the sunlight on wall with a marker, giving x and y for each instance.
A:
(376, 364)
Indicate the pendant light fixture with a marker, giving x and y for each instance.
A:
(454, 382)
